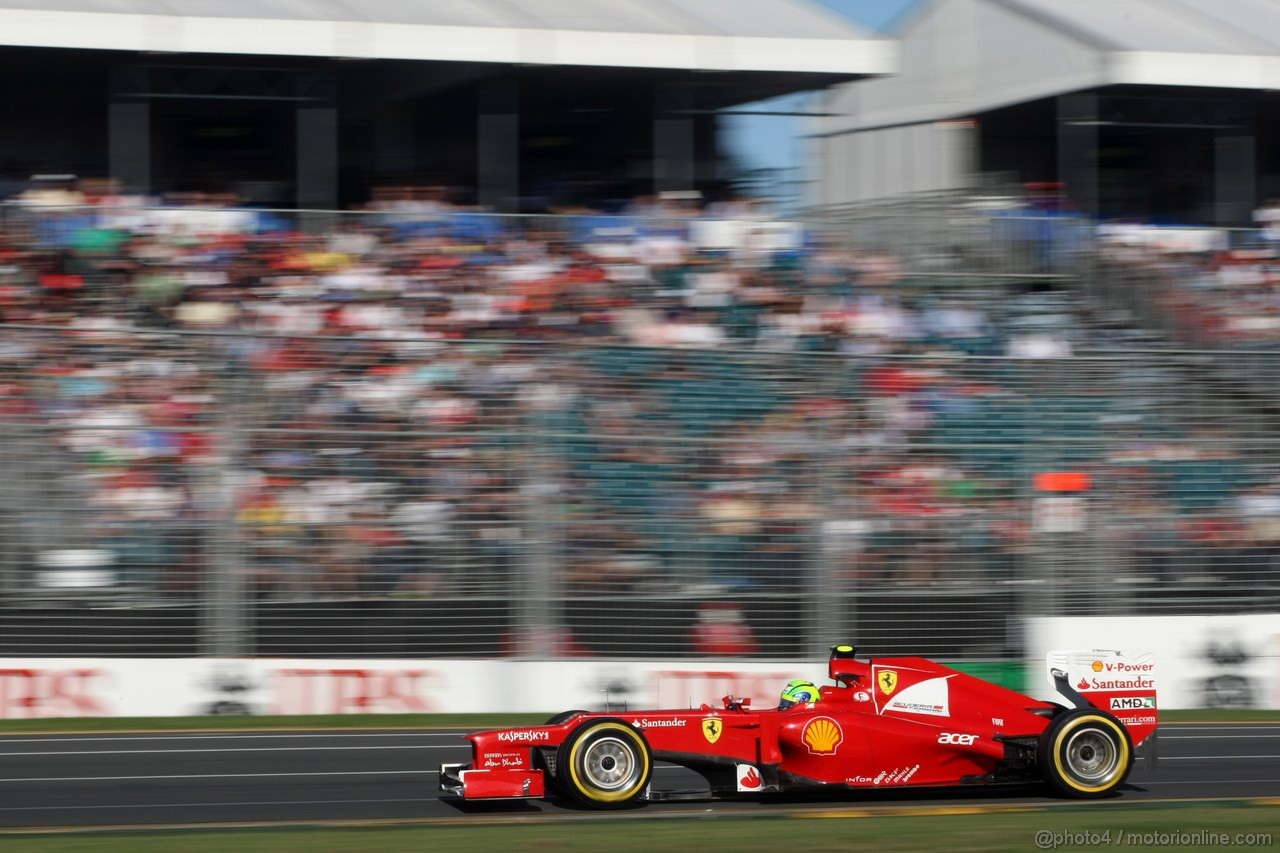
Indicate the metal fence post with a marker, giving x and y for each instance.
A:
(536, 620)
(827, 593)
(226, 623)
(13, 448)
(1038, 571)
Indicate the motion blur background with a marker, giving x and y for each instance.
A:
(690, 329)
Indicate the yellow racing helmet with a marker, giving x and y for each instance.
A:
(799, 691)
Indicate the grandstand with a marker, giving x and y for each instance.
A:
(1142, 110)
(515, 106)
(420, 421)
(423, 429)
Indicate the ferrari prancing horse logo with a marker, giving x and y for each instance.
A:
(711, 729)
(888, 680)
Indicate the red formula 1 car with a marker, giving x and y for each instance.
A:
(888, 722)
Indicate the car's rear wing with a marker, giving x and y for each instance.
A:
(1123, 685)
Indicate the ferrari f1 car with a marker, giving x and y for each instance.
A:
(886, 723)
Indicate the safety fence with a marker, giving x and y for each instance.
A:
(92, 231)
(169, 493)
(932, 234)
(978, 232)
(957, 232)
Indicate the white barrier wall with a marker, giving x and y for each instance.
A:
(1204, 661)
(1222, 661)
(88, 687)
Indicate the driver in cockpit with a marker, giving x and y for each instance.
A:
(799, 691)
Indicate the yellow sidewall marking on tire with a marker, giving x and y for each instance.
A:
(615, 796)
(1122, 752)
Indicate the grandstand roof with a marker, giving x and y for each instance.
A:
(961, 57)
(713, 35)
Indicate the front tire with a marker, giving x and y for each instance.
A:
(1085, 754)
(604, 764)
(563, 717)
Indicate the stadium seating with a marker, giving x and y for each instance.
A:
(409, 391)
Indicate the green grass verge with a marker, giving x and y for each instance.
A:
(840, 830)
(410, 721)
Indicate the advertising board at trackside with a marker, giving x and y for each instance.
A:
(104, 687)
(96, 687)
(1243, 672)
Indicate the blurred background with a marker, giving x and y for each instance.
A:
(646, 331)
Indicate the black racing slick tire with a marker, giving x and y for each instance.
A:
(604, 764)
(1085, 754)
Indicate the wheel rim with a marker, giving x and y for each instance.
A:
(610, 764)
(1092, 757)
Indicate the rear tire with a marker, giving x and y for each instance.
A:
(1085, 754)
(604, 764)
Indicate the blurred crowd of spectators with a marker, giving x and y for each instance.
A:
(1208, 287)
(418, 401)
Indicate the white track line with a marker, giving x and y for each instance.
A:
(1275, 736)
(251, 775)
(43, 753)
(207, 805)
(149, 738)
(225, 776)
(1221, 727)
(1273, 732)
(1215, 757)
(1146, 784)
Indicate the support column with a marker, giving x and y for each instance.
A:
(1235, 177)
(129, 145)
(395, 143)
(498, 146)
(673, 138)
(1078, 150)
(317, 168)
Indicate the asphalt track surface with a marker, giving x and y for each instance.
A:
(179, 778)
